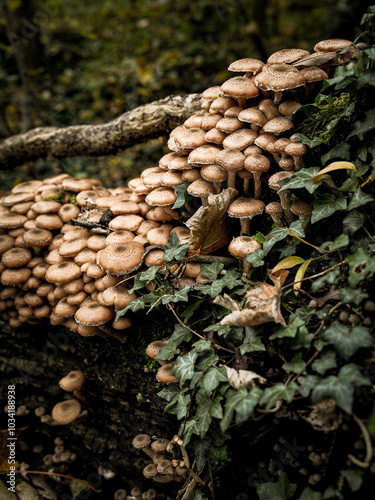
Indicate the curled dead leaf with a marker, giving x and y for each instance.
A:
(243, 378)
(262, 304)
(210, 228)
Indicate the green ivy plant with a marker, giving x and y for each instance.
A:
(327, 302)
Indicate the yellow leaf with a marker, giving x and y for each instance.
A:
(301, 239)
(288, 262)
(300, 274)
(336, 165)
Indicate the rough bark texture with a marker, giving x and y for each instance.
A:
(117, 404)
(138, 125)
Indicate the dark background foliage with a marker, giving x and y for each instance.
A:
(65, 62)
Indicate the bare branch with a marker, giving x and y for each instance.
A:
(136, 126)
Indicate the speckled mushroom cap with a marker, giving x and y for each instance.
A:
(185, 139)
(141, 441)
(49, 221)
(230, 159)
(121, 236)
(222, 104)
(210, 120)
(16, 257)
(332, 45)
(72, 247)
(63, 272)
(46, 207)
(172, 178)
(278, 125)
(245, 207)
(286, 108)
(13, 199)
(264, 140)
(228, 124)
(273, 181)
(159, 235)
(150, 471)
(257, 163)
(204, 155)
(314, 74)
(273, 208)
(240, 86)
(287, 56)
(193, 121)
(241, 246)
(164, 374)
(295, 149)
(128, 222)
(153, 179)
(301, 208)
(213, 173)
(253, 115)
(12, 220)
(66, 412)
(247, 64)
(15, 276)
(216, 136)
(125, 207)
(121, 258)
(68, 211)
(168, 159)
(27, 187)
(159, 445)
(279, 77)
(161, 196)
(93, 314)
(240, 139)
(268, 108)
(73, 381)
(6, 243)
(201, 188)
(154, 347)
(117, 296)
(77, 185)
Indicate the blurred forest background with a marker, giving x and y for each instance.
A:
(65, 62)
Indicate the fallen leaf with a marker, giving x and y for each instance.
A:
(244, 378)
(210, 228)
(262, 304)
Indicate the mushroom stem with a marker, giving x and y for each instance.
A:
(257, 185)
(232, 179)
(204, 201)
(246, 266)
(298, 162)
(277, 97)
(246, 186)
(277, 220)
(285, 203)
(245, 226)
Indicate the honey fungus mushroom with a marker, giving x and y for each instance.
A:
(245, 209)
(73, 382)
(66, 412)
(121, 258)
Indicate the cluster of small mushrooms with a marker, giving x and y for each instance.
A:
(165, 467)
(67, 244)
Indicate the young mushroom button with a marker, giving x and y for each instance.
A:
(242, 246)
(65, 412)
(245, 209)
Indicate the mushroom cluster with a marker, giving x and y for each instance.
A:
(164, 467)
(243, 138)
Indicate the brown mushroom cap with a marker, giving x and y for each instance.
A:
(15, 276)
(278, 125)
(16, 257)
(46, 207)
(164, 374)
(12, 220)
(301, 208)
(240, 86)
(245, 208)
(287, 56)
(141, 441)
(63, 272)
(127, 222)
(332, 45)
(204, 155)
(27, 187)
(6, 243)
(121, 258)
(117, 296)
(68, 211)
(240, 139)
(154, 347)
(241, 246)
(93, 314)
(247, 65)
(279, 77)
(201, 188)
(73, 381)
(65, 412)
(161, 196)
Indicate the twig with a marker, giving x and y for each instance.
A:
(170, 307)
(316, 275)
(366, 436)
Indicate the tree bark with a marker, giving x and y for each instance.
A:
(138, 125)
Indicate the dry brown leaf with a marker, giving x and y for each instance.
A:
(209, 225)
(262, 304)
(243, 378)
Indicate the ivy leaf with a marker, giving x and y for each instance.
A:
(295, 322)
(201, 345)
(340, 387)
(296, 227)
(190, 309)
(183, 367)
(282, 490)
(177, 296)
(295, 366)
(309, 494)
(339, 151)
(277, 234)
(361, 127)
(353, 221)
(137, 285)
(170, 392)
(342, 241)
(307, 384)
(206, 358)
(256, 258)
(231, 279)
(213, 377)
(352, 295)
(174, 250)
(191, 428)
(211, 271)
(150, 274)
(242, 403)
(182, 195)
(328, 278)
(353, 478)
(325, 206)
(251, 342)
(138, 303)
(325, 362)
(360, 265)
(278, 391)
(213, 289)
(359, 199)
(347, 341)
(178, 406)
(301, 179)
(200, 447)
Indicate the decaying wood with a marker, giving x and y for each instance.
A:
(133, 127)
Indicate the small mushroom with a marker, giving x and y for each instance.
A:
(240, 247)
(303, 210)
(245, 209)
(273, 183)
(274, 209)
(66, 412)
